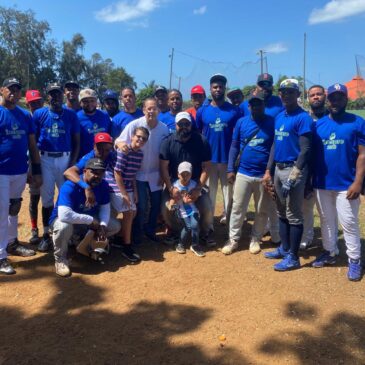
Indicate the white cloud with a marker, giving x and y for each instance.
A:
(125, 11)
(278, 47)
(200, 11)
(336, 10)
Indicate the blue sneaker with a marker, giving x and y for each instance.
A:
(290, 262)
(323, 259)
(355, 270)
(278, 253)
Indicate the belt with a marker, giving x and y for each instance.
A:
(55, 154)
(284, 165)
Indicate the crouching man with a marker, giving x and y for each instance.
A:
(72, 213)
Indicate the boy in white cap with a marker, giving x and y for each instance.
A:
(186, 210)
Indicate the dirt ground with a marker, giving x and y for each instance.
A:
(181, 309)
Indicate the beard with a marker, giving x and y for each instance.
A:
(183, 133)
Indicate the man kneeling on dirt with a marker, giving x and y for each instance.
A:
(73, 213)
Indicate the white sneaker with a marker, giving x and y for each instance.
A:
(255, 246)
(62, 269)
(229, 247)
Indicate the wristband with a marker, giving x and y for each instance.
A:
(83, 184)
(36, 169)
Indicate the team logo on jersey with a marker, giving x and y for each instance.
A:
(332, 136)
(14, 130)
(331, 143)
(14, 126)
(281, 128)
(255, 141)
(218, 125)
(280, 134)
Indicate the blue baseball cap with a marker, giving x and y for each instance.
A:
(110, 94)
(337, 88)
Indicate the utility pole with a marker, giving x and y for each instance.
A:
(358, 72)
(171, 63)
(179, 83)
(261, 53)
(304, 65)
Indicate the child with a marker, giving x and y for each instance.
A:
(123, 189)
(186, 210)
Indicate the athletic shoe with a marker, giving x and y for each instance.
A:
(5, 267)
(16, 249)
(290, 262)
(34, 237)
(62, 269)
(223, 220)
(278, 253)
(45, 244)
(354, 272)
(197, 249)
(180, 248)
(130, 254)
(323, 259)
(209, 240)
(229, 247)
(255, 246)
(307, 245)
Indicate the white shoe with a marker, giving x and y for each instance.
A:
(223, 220)
(229, 247)
(255, 246)
(62, 269)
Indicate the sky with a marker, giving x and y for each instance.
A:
(214, 36)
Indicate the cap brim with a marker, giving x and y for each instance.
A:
(218, 79)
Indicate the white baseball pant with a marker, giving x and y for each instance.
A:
(331, 205)
(11, 187)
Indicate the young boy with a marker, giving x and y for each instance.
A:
(123, 190)
(186, 210)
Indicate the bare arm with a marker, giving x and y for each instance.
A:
(72, 174)
(354, 190)
(164, 172)
(75, 142)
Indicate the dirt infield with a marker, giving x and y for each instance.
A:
(180, 309)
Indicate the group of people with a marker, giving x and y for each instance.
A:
(118, 172)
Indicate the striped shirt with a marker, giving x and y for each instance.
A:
(127, 165)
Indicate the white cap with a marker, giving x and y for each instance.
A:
(181, 116)
(185, 166)
(87, 93)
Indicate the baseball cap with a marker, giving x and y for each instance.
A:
(218, 78)
(234, 90)
(11, 81)
(160, 88)
(72, 83)
(87, 93)
(110, 94)
(182, 115)
(185, 166)
(95, 164)
(337, 88)
(103, 138)
(265, 78)
(53, 86)
(257, 96)
(32, 95)
(197, 89)
(289, 84)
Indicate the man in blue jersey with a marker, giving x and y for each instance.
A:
(273, 104)
(58, 134)
(161, 97)
(217, 121)
(72, 91)
(253, 136)
(175, 103)
(111, 103)
(130, 112)
(339, 171)
(71, 213)
(92, 120)
(17, 136)
(291, 153)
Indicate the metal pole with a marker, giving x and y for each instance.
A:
(171, 63)
(304, 65)
(179, 83)
(262, 61)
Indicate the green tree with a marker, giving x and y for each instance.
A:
(118, 78)
(147, 92)
(26, 51)
(247, 90)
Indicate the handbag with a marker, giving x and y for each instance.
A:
(248, 140)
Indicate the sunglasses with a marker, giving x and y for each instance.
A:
(143, 138)
(183, 124)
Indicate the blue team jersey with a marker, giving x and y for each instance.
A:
(336, 150)
(120, 120)
(15, 127)
(54, 131)
(109, 162)
(273, 106)
(73, 196)
(68, 108)
(288, 129)
(255, 155)
(89, 126)
(168, 119)
(217, 124)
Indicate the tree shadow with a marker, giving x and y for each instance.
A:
(71, 330)
(339, 341)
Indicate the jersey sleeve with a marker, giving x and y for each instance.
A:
(83, 160)
(75, 124)
(31, 125)
(65, 196)
(304, 124)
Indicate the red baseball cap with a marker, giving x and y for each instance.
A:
(197, 89)
(103, 138)
(32, 95)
